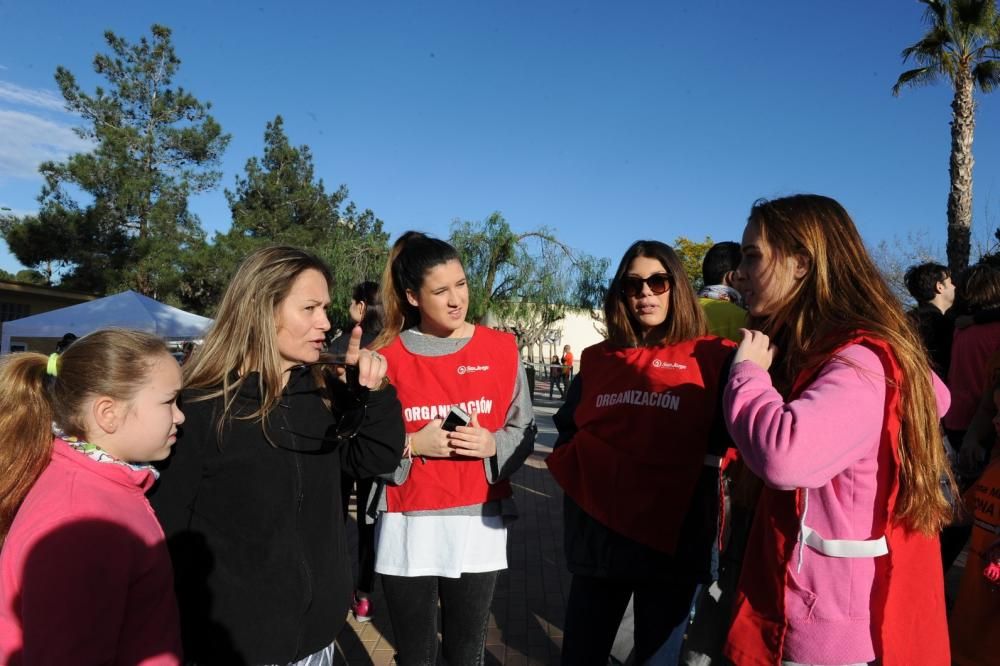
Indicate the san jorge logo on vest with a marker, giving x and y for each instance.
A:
(657, 363)
(466, 369)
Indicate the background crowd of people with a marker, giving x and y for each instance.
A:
(786, 456)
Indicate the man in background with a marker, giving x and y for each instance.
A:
(931, 287)
(722, 303)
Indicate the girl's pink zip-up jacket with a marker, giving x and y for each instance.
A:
(85, 577)
(825, 441)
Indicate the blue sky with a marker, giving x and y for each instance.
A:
(606, 121)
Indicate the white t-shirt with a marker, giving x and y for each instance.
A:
(446, 546)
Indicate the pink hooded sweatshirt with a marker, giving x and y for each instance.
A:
(85, 577)
(825, 441)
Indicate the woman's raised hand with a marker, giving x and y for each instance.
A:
(755, 347)
(372, 366)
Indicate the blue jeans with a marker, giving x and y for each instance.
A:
(596, 606)
(465, 613)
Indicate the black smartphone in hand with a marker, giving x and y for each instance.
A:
(456, 417)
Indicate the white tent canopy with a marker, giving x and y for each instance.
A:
(125, 310)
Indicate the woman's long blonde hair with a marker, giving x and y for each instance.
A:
(243, 338)
(841, 295)
(112, 362)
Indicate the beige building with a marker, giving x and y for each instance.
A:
(579, 329)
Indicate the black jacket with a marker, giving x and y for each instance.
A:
(255, 529)
(936, 331)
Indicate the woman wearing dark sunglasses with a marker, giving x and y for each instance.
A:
(640, 444)
(250, 499)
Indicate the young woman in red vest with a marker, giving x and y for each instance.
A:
(442, 535)
(640, 444)
(843, 564)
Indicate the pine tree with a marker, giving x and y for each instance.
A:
(154, 145)
(279, 200)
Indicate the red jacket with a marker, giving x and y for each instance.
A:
(975, 617)
(971, 349)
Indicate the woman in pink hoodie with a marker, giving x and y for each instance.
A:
(842, 566)
(85, 576)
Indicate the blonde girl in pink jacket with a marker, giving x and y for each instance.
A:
(85, 577)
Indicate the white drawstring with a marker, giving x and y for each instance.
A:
(802, 524)
(835, 547)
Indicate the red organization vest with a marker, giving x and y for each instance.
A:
(908, 622)
(975, 616)
(480, 377)
(643, 424)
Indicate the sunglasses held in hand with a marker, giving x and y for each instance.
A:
(350, 420)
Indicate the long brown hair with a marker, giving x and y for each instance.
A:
(112, 362)
(412, 255)
(981, 287)
(843, 294)
(370, 294)
(243, 338)
(685, 319)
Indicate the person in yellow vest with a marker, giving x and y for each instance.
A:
(722, 303)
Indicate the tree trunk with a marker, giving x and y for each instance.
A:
(960, 172)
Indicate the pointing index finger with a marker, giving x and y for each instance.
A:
(354, 346)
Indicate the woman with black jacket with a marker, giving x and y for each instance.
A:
(250, 499)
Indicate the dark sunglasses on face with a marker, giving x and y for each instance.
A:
(658, 283)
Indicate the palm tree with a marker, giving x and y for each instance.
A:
(962, 44)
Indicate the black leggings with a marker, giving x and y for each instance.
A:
(465, 613)
(366, 533)
(595, 609)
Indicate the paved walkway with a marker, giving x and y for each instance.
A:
(527, 615)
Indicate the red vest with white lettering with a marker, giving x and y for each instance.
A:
(908, 622)
(643, 424)
(975, 617)
(478, 377)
